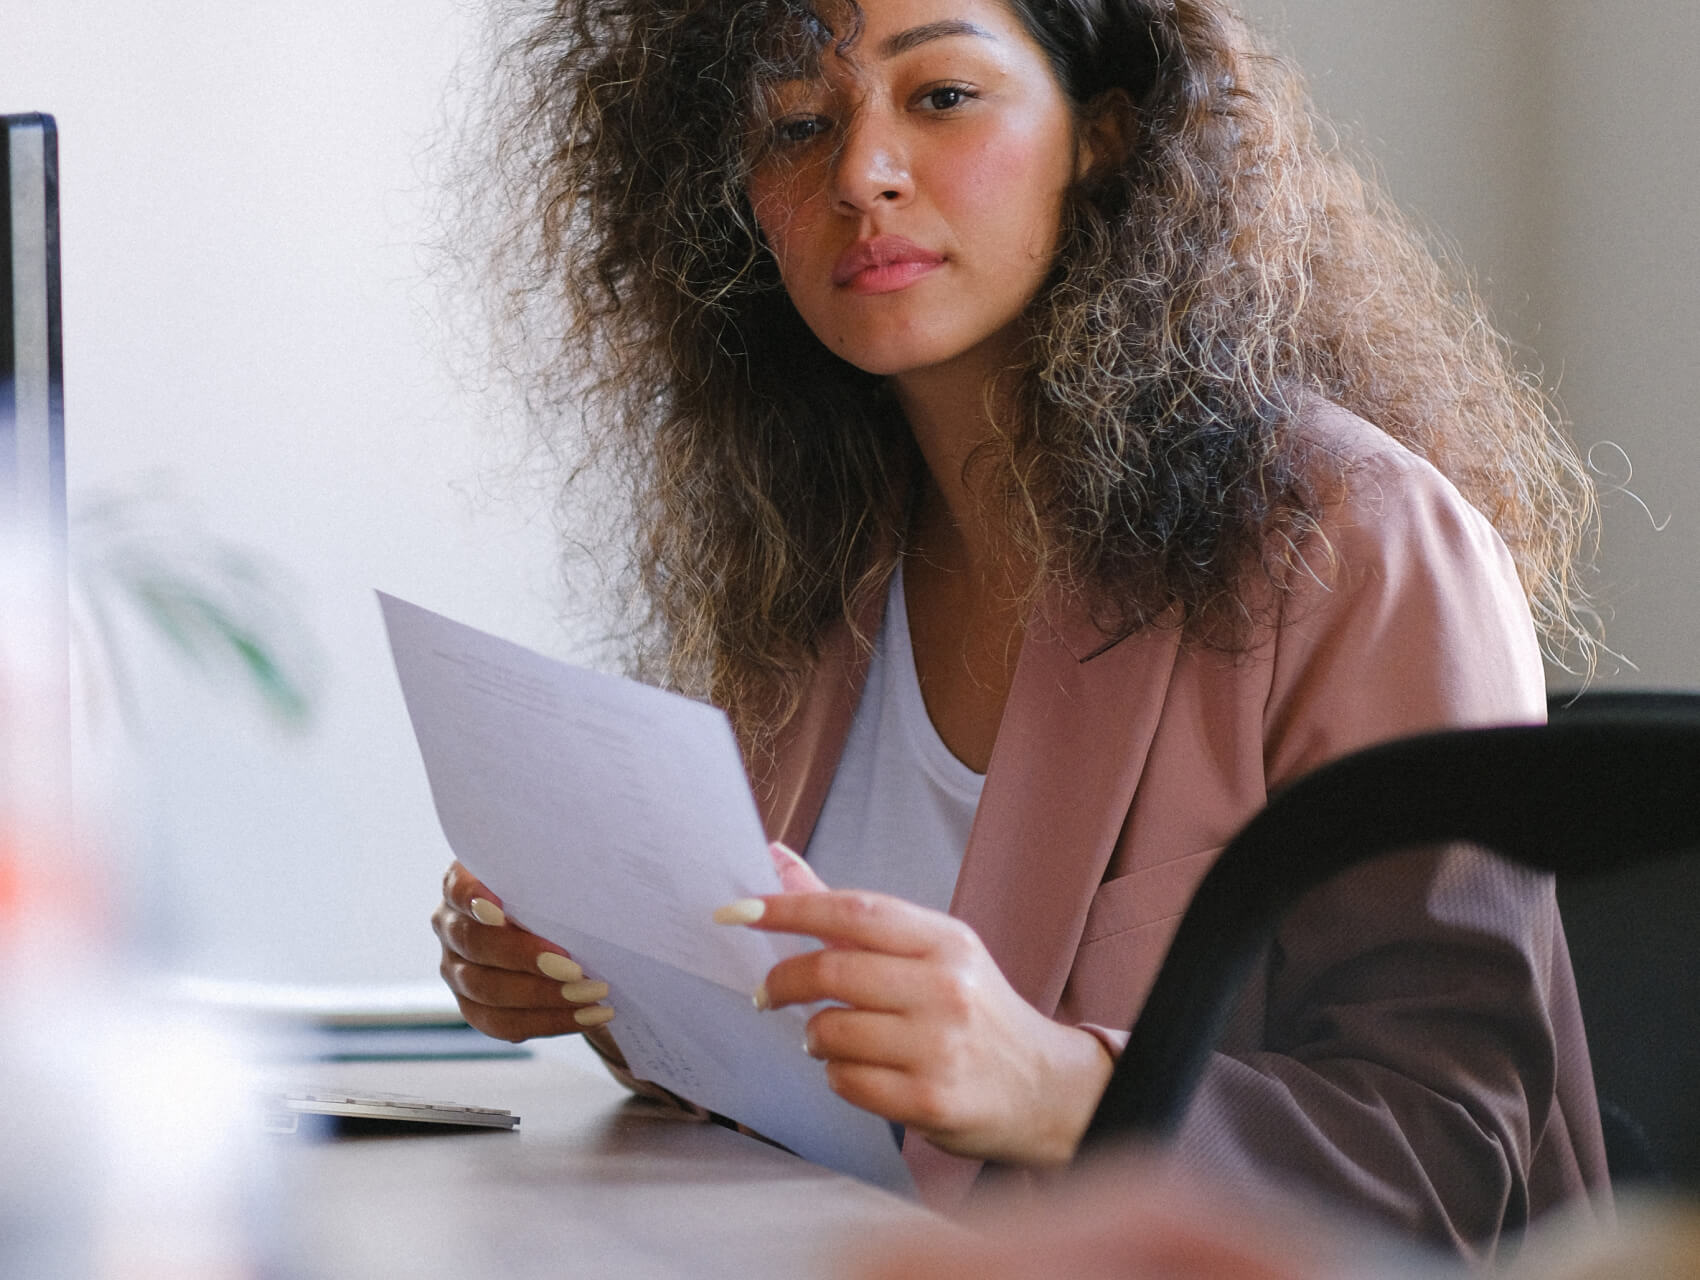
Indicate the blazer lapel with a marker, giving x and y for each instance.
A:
(1072, 745)
(1070, 751)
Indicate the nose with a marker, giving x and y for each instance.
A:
(872, 166)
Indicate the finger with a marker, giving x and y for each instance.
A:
(502, 947)
(518, 1006)
(506, 989)
(853, 917)
(886, 1091)
(795, 875)
(467, 893)
(871, 1039)
(850, 976)
(518, 1024)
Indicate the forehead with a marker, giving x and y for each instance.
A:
(872, 31)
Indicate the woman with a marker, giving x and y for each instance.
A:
(995, 379)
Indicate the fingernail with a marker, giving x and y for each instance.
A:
(789, 852)
(595, 1016)
(809, 1045)
(743, 911)
(487, 912)
(559, 967)
(759, 999)
(584, 992)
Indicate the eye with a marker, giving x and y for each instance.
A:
(793, 131)
(946, 97)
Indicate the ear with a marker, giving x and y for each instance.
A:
(1106, 127)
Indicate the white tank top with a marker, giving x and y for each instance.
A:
(897, 815)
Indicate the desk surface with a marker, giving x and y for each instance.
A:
(591, 1184)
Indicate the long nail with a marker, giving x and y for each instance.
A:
(743, 911)
(584, 992)
(487, 912)
(759, 999)
(595, 1016)
(559, 967)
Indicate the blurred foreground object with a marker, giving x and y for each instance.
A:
(128, 1147)
(1132, 1218)
(127, 1143)
(1656, 1237)
(1135, 1217)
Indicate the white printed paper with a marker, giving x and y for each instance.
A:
(612, 818)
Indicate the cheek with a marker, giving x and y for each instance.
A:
(1031, 209)
(784, 211)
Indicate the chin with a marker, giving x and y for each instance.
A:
(890, 358)
(888, 367)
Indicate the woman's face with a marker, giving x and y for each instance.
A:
(912, 195)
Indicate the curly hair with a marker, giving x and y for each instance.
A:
(1232, 262)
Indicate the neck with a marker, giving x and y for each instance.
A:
(962, 581)
(958, 521)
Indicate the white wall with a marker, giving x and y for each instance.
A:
(1556, 144)
(244, 187)
(1620, 222)
(243, 192)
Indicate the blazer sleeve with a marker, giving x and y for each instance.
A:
(1397, 1051)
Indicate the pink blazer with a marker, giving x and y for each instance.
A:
(1448, 1091)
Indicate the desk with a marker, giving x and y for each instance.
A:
(592, 1184)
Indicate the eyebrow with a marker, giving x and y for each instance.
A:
(904, 41)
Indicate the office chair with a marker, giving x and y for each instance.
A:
(1640, 1003)
(1612, 785)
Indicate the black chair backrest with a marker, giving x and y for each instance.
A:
(1632, 936)
(1597, 791)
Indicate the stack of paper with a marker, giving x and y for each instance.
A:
(612, 818)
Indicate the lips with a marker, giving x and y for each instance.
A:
(883, 264)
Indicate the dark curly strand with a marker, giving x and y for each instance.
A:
(1233, 261)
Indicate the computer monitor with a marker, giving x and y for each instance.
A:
(32, 396)
(34, 642)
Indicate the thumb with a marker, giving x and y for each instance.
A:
(795, 875)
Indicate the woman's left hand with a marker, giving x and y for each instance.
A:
(924, 1028)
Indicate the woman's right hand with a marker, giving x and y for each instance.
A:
(510, 983)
